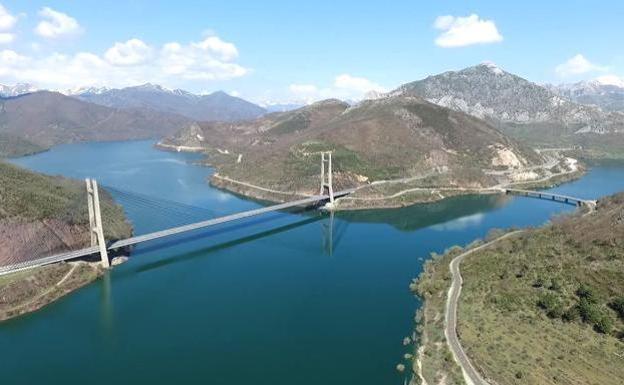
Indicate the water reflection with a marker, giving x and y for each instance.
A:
(420, 216)
(106, 305)
(177, 258)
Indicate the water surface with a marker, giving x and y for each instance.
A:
(264, 301)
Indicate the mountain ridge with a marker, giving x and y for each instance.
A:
(217, 106)
(36, 121)
(382, 147)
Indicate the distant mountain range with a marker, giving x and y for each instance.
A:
(217, 106)
(16, 90)
(586, 114)
(36, 121)
(606, 93)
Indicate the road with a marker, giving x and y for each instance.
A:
(471, 375)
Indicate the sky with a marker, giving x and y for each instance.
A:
(292, 51)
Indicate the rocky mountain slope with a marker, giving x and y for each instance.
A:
(39, 120)
(404, 139)
(488, 92)
(605, 93)
(217, 106)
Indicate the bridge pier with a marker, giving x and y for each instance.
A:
(95, 221)
(326, 157)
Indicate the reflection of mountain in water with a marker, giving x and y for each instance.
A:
(418, 216)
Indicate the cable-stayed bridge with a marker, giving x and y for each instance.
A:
(168, 218)
(178, 219)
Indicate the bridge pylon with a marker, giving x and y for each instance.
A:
(326, 175)
(95, 220)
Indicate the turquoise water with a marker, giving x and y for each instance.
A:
(264, 301)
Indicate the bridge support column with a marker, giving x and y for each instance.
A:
(95, 220)
(327, 183)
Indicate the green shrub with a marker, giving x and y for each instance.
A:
(618, 305)
(555, 285)
(604, 324)
(587, 293)
(589, 311)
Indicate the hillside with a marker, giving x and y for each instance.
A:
(39, 120)
(217, 106)
(41, 216)
(521, 108)
(383, 146)
(545, 306)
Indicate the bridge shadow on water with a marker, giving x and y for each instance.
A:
(203, 251)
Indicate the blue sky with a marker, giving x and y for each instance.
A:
(302, 51)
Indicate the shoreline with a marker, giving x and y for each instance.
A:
(421, 195)
(436, 194)
(71, 277)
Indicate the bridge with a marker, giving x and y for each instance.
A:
(98, 243)
(552, 197)
(326, 197)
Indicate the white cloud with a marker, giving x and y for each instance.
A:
(458, 31)
(612, 80)
(577, 65)
(7, 21)
(132, 52)
(6, 38)
(133, 62)
(303, 89)
(362, 85)
(56, 24)
(344, 86)
(210, 59)
(218, 48)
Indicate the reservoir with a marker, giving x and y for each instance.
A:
(287, 298)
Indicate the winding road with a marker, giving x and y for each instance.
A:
(471, 375)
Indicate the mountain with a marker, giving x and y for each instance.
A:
(406, 139)
(36, 121)
(16, 90)
(606, 93)
(488, 92)
(217, 106)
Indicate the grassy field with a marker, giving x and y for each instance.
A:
(545, 307)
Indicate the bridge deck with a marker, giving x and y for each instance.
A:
(169, 232)
(550, 196)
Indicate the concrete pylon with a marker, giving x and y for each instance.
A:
(326, 182)
(95, 221)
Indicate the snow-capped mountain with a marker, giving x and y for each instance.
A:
(85, 90)
(16, 90)
(606, 92)
(215, 106)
